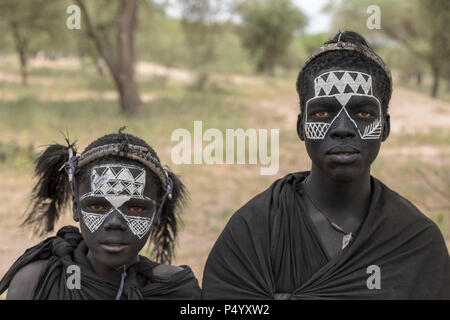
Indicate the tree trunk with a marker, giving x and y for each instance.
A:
(419, 78)
(23, 67)
(20, 44)
(130, 101)
(436, 78)
(120, 60)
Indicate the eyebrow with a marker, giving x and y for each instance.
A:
(94, 200)
(325, 102)
(359, 101)
(139, 202)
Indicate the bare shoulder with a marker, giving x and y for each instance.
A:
(24, 281)
(166, 270)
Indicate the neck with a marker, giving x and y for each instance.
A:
(344, 201)
(106, 272)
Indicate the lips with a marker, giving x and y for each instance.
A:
(343, 150)
(114, 246)
(343, 154)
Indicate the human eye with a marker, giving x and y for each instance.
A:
(321, 114)
(135, 210)
(364, 115)
(97, 207)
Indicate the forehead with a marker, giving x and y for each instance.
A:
(343, 82)
(117, 179)
(343, 85)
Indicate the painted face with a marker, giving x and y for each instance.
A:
(343, 123)
(117, 210)
(343, 86)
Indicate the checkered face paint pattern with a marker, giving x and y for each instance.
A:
(342, 85)
(117, 184)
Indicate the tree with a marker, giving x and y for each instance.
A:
(421, 26)
(267, 29)
(202, 32)
(119, 57)
(32, 25)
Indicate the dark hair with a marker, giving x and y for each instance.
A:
(347, 59)
(51, 193)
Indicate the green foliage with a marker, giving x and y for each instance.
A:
(267, 29)
(159, 38)
(32, 25)
(202, 32)
(420, 26)
(300, 49)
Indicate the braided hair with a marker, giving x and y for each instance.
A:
(345, 59)
(51, 194)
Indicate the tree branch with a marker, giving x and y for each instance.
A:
(105, 50)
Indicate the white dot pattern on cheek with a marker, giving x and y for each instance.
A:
(342, 85)
(117, 184)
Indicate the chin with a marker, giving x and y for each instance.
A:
(344, 174)
(115, 261)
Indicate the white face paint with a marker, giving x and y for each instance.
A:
(342, 85)
(118, 183)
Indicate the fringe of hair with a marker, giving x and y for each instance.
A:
(163, 235)
(51, 194)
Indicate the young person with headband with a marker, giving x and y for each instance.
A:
(334, 232)
(122, 197)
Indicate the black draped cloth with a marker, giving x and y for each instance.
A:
(270, 250)
(68, 248)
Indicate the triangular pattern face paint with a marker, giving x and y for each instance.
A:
(348, 89)
(117, 184)
(353, 75)
(343, 98)
(339, 74)
(117, 201)
(342, 85)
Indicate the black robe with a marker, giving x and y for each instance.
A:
(269, 250)
(68, 248)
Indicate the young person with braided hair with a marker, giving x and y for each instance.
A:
(122, 196)
(334, 232)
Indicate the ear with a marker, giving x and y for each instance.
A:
(75, 210)
(386, 127)
(300, 132)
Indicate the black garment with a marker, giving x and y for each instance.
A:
(68, 248)
(269, 250)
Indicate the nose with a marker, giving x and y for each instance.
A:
(115, 221)
(343, 127)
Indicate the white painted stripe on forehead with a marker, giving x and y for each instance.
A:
(342, 82)
(117, 180)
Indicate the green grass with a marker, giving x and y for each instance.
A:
(425, 89)
(33, 121)
(434, 136)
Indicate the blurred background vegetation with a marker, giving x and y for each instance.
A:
(159, 65)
